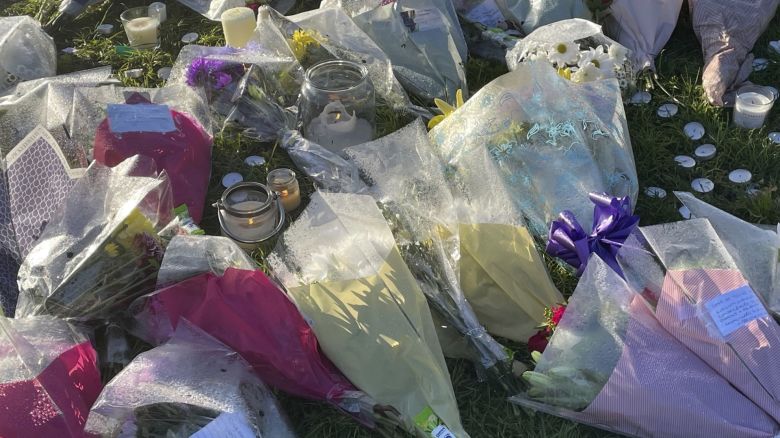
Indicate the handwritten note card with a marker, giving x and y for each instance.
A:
(734, 309)
(141, 117)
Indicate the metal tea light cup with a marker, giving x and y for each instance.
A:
(249, 214)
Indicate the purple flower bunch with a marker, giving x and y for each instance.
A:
(213, 73)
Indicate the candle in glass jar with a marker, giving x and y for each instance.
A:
(283, 181)
(142, 31)
(238, 24)
(251, 228)
(337, 127)
(752, 106)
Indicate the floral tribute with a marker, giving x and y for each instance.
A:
(552, 316)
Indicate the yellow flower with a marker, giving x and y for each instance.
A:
(302, 39)
(565, 73)
(446, 109)
(112, 249)
(135, 224)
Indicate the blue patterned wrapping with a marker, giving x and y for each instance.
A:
(35, 181)
(549, 141)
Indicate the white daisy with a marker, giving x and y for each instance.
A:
(600, 59)
(562, 54)
(537, 55)
(618, 53)
(586, 73)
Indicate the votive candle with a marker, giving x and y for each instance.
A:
(238, 24)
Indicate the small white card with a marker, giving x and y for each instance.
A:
(140, 117)
(227, 425)
(441, 431)
(734, 309)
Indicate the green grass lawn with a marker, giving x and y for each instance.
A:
(484, 411)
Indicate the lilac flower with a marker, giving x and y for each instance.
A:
(212, 72)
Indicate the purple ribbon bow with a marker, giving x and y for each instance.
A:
(612, 224)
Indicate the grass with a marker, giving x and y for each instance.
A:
(484, 411)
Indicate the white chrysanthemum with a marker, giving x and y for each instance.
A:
(562, 54)
(618, 53)
(599, 59)
(537, 55)
(586, 73)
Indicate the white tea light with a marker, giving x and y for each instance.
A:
(694, 130)
(774, 137)
(655, 192)
(740, 176)
(231, 179)
(753, 104)
(134, 73)
(685, 161)
(760, 64)
(69, 50)
(667, 110)
(640, 98)
(238, 24)
(702, 185)
(337, 127)
(705, 151)
(105, 29)
(164, 73)
(254, 161)
(685, 212)
(190, 38)
(157, 10)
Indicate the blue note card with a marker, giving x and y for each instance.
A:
(140, 117)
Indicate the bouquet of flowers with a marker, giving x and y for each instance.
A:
(547, 141)
(48, 378)
(220, 290)
(606, 366)
(579, 51)
(422, 38)
(192, 384)
(340, 265)
(700, 296)
(100, 250)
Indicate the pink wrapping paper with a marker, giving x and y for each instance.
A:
(659, 388)
(251, 315)
(749, 357)
(56, 402)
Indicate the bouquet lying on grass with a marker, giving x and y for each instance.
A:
(611, 364)
(190, 386)
(220, 290)
(340, 265)
(48, 378)
(101, 250)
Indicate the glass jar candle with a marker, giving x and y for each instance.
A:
(753, 104)
(284, 182)
(337, 105)
(249, 214)
(142, 29)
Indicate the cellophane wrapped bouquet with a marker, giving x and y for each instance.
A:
(191, 386)
(101, 250)
(579, 51)
(215, 286)
(611, 364)
(49, 377)
(701, 297)
(340, 265)
(546, 140)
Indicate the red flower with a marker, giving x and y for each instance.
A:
(538, 342)
(557, 314)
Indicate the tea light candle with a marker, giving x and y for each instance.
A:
(238, 24)
(655, 192)
(249, 213)
(702, 185)
(283, 181)
(336, 127)
(753, 104)
(157, 10)
(705, 151)
(740, 176)
(694, 130)
(142, 31)
(685, 161)
(667, 110)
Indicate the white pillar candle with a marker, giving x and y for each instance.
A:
(338, 128)
(157, 10)
(753, 105)
(238, 24)
(142, 31)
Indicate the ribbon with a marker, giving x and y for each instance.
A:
(612, 224)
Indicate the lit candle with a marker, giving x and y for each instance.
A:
(283, 181)
(249, 213)
(238, 24)
(336, 127)
(753, 104)
(142, 32)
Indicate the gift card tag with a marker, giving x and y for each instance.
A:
(441, 431)
(227, 425)
(734, 309)
(486, 13)
(420, 20)
(141, 117)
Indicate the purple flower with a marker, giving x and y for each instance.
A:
(212, 72)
